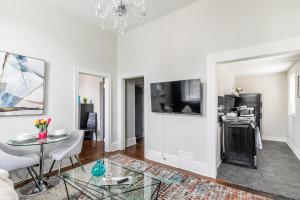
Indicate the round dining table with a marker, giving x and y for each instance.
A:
(42, 184)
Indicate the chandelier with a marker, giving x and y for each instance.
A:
(121, 12)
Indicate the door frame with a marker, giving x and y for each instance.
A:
(122, 113)
(107, 97)
(258, 51)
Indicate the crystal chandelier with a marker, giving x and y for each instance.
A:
(121, 12)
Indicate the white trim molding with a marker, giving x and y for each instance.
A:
(115, 146)
(294, 148)
(263, 50)
(121, 107)
(184, 160)
(130, 141)
(275, 138)
(107, 107)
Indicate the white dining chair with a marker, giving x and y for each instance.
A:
(68, 148)
(13, 159)
(7, 190)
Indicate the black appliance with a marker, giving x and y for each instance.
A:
(181, 97)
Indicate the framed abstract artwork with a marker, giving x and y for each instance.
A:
(22, 81)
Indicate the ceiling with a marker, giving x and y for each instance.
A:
(154, 8)
(264, 65)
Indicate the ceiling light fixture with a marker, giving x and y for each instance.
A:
(121, 12)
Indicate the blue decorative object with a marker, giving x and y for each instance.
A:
(78, 100)
(99, 168)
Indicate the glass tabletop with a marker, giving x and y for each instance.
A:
(37, 141)
(141, 186)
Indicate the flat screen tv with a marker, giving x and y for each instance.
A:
(179, 97)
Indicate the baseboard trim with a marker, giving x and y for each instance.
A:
(294, 149)
(275, 138)
(175, 161)
(114, 146)
(219, 163)
(130, 141)
(158, 157)
(287, 141)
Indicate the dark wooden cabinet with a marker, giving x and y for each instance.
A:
(239, 140)
(252, 100)
(84, 111)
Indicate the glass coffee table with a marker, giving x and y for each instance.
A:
(82, 184)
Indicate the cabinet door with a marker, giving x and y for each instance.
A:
(239, 144)
(85, 109)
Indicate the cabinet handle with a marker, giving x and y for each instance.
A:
(246, 126)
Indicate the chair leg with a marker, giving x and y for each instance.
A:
(60, 163)
(34, 178)
(52, 165)
(79, 163)
(72, 162)
(96, 136)
(35, 173)
(50, 170)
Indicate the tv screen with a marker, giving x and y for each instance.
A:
(182, 97)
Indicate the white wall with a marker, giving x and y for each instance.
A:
(176, 47)
(294, 120)
(226, 81)
(274, 102)
(38, 29)
(89, 87)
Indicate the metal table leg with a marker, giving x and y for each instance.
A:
(32, 188)
(41, 174)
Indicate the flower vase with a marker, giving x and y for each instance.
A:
(43, 134)
(99, 168)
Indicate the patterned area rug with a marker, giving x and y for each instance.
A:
(176, 186)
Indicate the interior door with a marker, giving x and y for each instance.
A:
(139, 111)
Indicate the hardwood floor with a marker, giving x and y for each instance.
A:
(94, 150)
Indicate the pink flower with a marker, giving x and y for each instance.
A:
(49, 120)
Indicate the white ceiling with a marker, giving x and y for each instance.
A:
(264, 65)
(154, 8)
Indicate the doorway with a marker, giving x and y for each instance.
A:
(256, 106)
(139, 112)
(134, 114)
(92, 108)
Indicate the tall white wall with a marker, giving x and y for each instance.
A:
(226, 80)
(176, 47)
(294, 120)
(39, 29)
(274, 102)
(89, 87)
